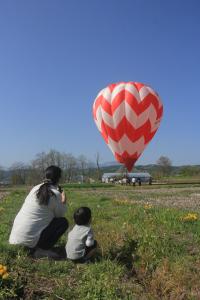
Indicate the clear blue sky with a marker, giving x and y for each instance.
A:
(56, 55)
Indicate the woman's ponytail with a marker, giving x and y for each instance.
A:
(44, 193)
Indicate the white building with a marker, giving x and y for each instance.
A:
(139, 177)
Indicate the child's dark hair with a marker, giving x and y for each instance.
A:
(82, 216)
(52, 176)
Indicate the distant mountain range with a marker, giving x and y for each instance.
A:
(110, 167)
(110, 163)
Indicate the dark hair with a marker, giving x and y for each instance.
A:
(82, 216)
(52, 176)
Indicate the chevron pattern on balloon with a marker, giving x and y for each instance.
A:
(127, 115)
(124, 109)
(124, 145)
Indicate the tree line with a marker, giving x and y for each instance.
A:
(165, 169)
(82, 169)
(74, 168)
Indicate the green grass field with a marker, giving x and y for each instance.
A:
(147, 250)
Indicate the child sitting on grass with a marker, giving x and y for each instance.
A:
(81, 246)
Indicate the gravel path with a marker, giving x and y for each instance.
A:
(3, 195)
(183, 197)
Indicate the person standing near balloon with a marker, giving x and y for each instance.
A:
(41, 222)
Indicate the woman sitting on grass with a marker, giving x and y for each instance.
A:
(81, 245)
(40, 222)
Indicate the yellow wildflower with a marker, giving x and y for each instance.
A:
(123, 201)
(5, 269)
(1, 272)
(148, 206)
(5, 275)
(190, 217)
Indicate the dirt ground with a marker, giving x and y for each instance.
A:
(180, 197)
(3, 195)
(187, 197)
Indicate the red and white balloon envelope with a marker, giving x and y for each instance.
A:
(128, 115)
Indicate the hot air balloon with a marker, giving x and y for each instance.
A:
(128, 115)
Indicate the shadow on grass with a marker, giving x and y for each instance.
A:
(126, 254)
(60, 250)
